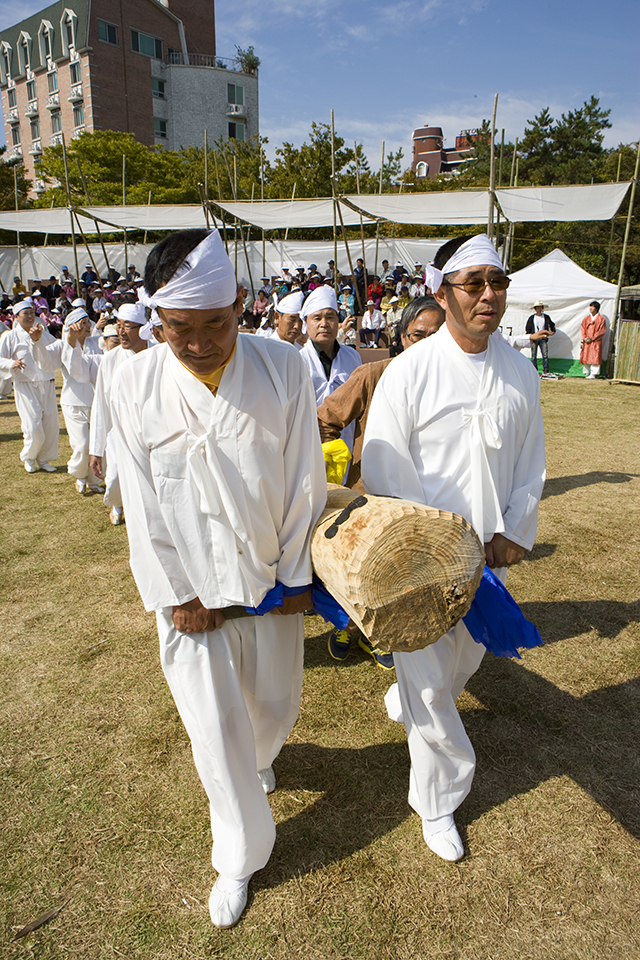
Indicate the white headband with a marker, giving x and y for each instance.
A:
(291, 305)
(322, 298)
(23, 305)
(204, 281)
(73, 316)
(476, 252)
(132, 313)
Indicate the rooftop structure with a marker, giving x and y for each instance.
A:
(430, 157)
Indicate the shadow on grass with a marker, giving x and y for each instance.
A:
(316, 654)
(563, 619)
(364, 796)
(556, 486)
(540, 551)
(5, 437)
(534, 731)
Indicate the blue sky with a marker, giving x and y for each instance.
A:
(387, 68)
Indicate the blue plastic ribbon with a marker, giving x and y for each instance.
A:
(274, 598)
(326, 606)
(496, 620)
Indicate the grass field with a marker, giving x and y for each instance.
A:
(102, 808)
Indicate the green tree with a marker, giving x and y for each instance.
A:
(7, 184)
(565, 151)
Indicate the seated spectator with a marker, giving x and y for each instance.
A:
(346, 302)
(418, 288)
(373, 323)
(376, 292)
(260, 304)
(393, 317)
(386, 271)
(404, 293)
(399, 272)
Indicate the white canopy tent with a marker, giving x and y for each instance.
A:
(566, 289)
(150, 217)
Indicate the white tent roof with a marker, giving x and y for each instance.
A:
(556, 275)
(280, 214)
(597, 201)
(158, 217)
(448, 207)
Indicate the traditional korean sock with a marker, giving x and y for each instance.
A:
(439, 825)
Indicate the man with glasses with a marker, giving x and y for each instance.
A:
(456, 424)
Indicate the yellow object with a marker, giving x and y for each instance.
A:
(212, 380)
(336, 455)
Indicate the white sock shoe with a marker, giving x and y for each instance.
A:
(267, 779)
(442, 837)
(227, 900)
(46, 466)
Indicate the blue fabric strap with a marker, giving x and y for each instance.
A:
(273, 599)
(326, 607)
(496, 620)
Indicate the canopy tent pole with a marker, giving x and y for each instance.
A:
(203, 201)
(15, 188)
(264, 256)
(344, 237)
(97, 225)
(499, 185)
(144, 239)
(613, 360)
(73, 232)
(492, 170)
(224, 226)
(206, 165)
(293, 196)
(378, 221)
(507, 259)
(333, 193)
(613, 224)
(364, 259)
(46, 236)
(234, 187)
(84, 240)
(393, 228)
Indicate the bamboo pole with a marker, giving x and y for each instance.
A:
(144, 239)
(344, 237)
(237, 223)
(492, 170)
(224, 225)
(46, 236)
(15, 189)
(613, 224)
(333, 193)
(124, 203)
(264, 256)
(378, 221)
(293, 196)
(84, 240)
(499, 185)
(206, 165)
(364, 260)
(613, 360)
(97, 225)
(73, 231)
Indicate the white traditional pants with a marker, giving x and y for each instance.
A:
(112, 495)
(6, 386)
(38, 411)
(591, 369)
(237, 690)
(430, 681)
(77, 421)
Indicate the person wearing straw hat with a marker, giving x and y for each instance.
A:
(223, 481)
(34, 390)
(540, 323)
(77, 389)
(131, 319)
(455, 423)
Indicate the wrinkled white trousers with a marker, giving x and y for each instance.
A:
(237, 690)
(112, 495)
(38, 411)
(78, 421)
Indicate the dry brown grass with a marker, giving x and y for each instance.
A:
(101, 804)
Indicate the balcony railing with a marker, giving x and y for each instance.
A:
(53, 102)
(78, 131)
(76, 94)
(14, 115)
(16, 153)
(176, 59)
(236, 110)
(36, 148)
(32, 109)
(55, 139)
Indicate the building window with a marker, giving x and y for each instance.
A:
(157, 88)
(15, 135)
(74, 69)
(159, 128)
(31, 90)
(235, 94)
(108, 32)
(78, 115)
(69, 33)
(143, 43)
(52, 80)
(11, 97)
(5, 63)
(68, 27)
(35, 129)
(422, 169)
(236, 131)
(56, 122)
(23, 54)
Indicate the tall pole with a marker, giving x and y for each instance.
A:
(333, 193)
(346, 244)
(293, 197)
(124, 203)
(206, 165)
(15, 188)
(492, 170)
(378, 222)
(365, 276)
(224, 225)
(499, 185)
(264, 258)
(73, 231)
(614, 324)
(237, 224)
(613, 224)
(97, 225)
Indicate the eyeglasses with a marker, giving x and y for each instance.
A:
(417, 336)
(478, 285)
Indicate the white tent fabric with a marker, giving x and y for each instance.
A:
(57, 220)
(292, 214)
(39, 263)
(449, 207)
(567, 290)
(598, 201)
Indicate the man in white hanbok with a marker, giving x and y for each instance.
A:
(455, 423)
(288, 322)
(34, 390)
(223, 480)
(131, 317)
(78, 382)
(329, 364)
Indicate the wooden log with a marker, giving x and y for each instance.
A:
(405, 573)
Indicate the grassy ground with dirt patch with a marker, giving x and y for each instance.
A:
(102, 808)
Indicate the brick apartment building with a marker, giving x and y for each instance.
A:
(431, 158)
(147, 67)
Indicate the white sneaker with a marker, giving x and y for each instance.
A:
(446, 844)
(267, 779)
(31, 466)
(116, 515)
(46, 466)
(226, 907)
(95, 488)
(81, 486)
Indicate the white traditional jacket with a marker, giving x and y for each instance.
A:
(343, 365)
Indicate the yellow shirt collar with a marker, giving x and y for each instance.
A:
(212, 380)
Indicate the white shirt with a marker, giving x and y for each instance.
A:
(16, 344)
(220, 493)
(78, 379)
(443, 433)
(373, 321)
(106, 368)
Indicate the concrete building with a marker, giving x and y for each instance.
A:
(147, 67)
(431, 158)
